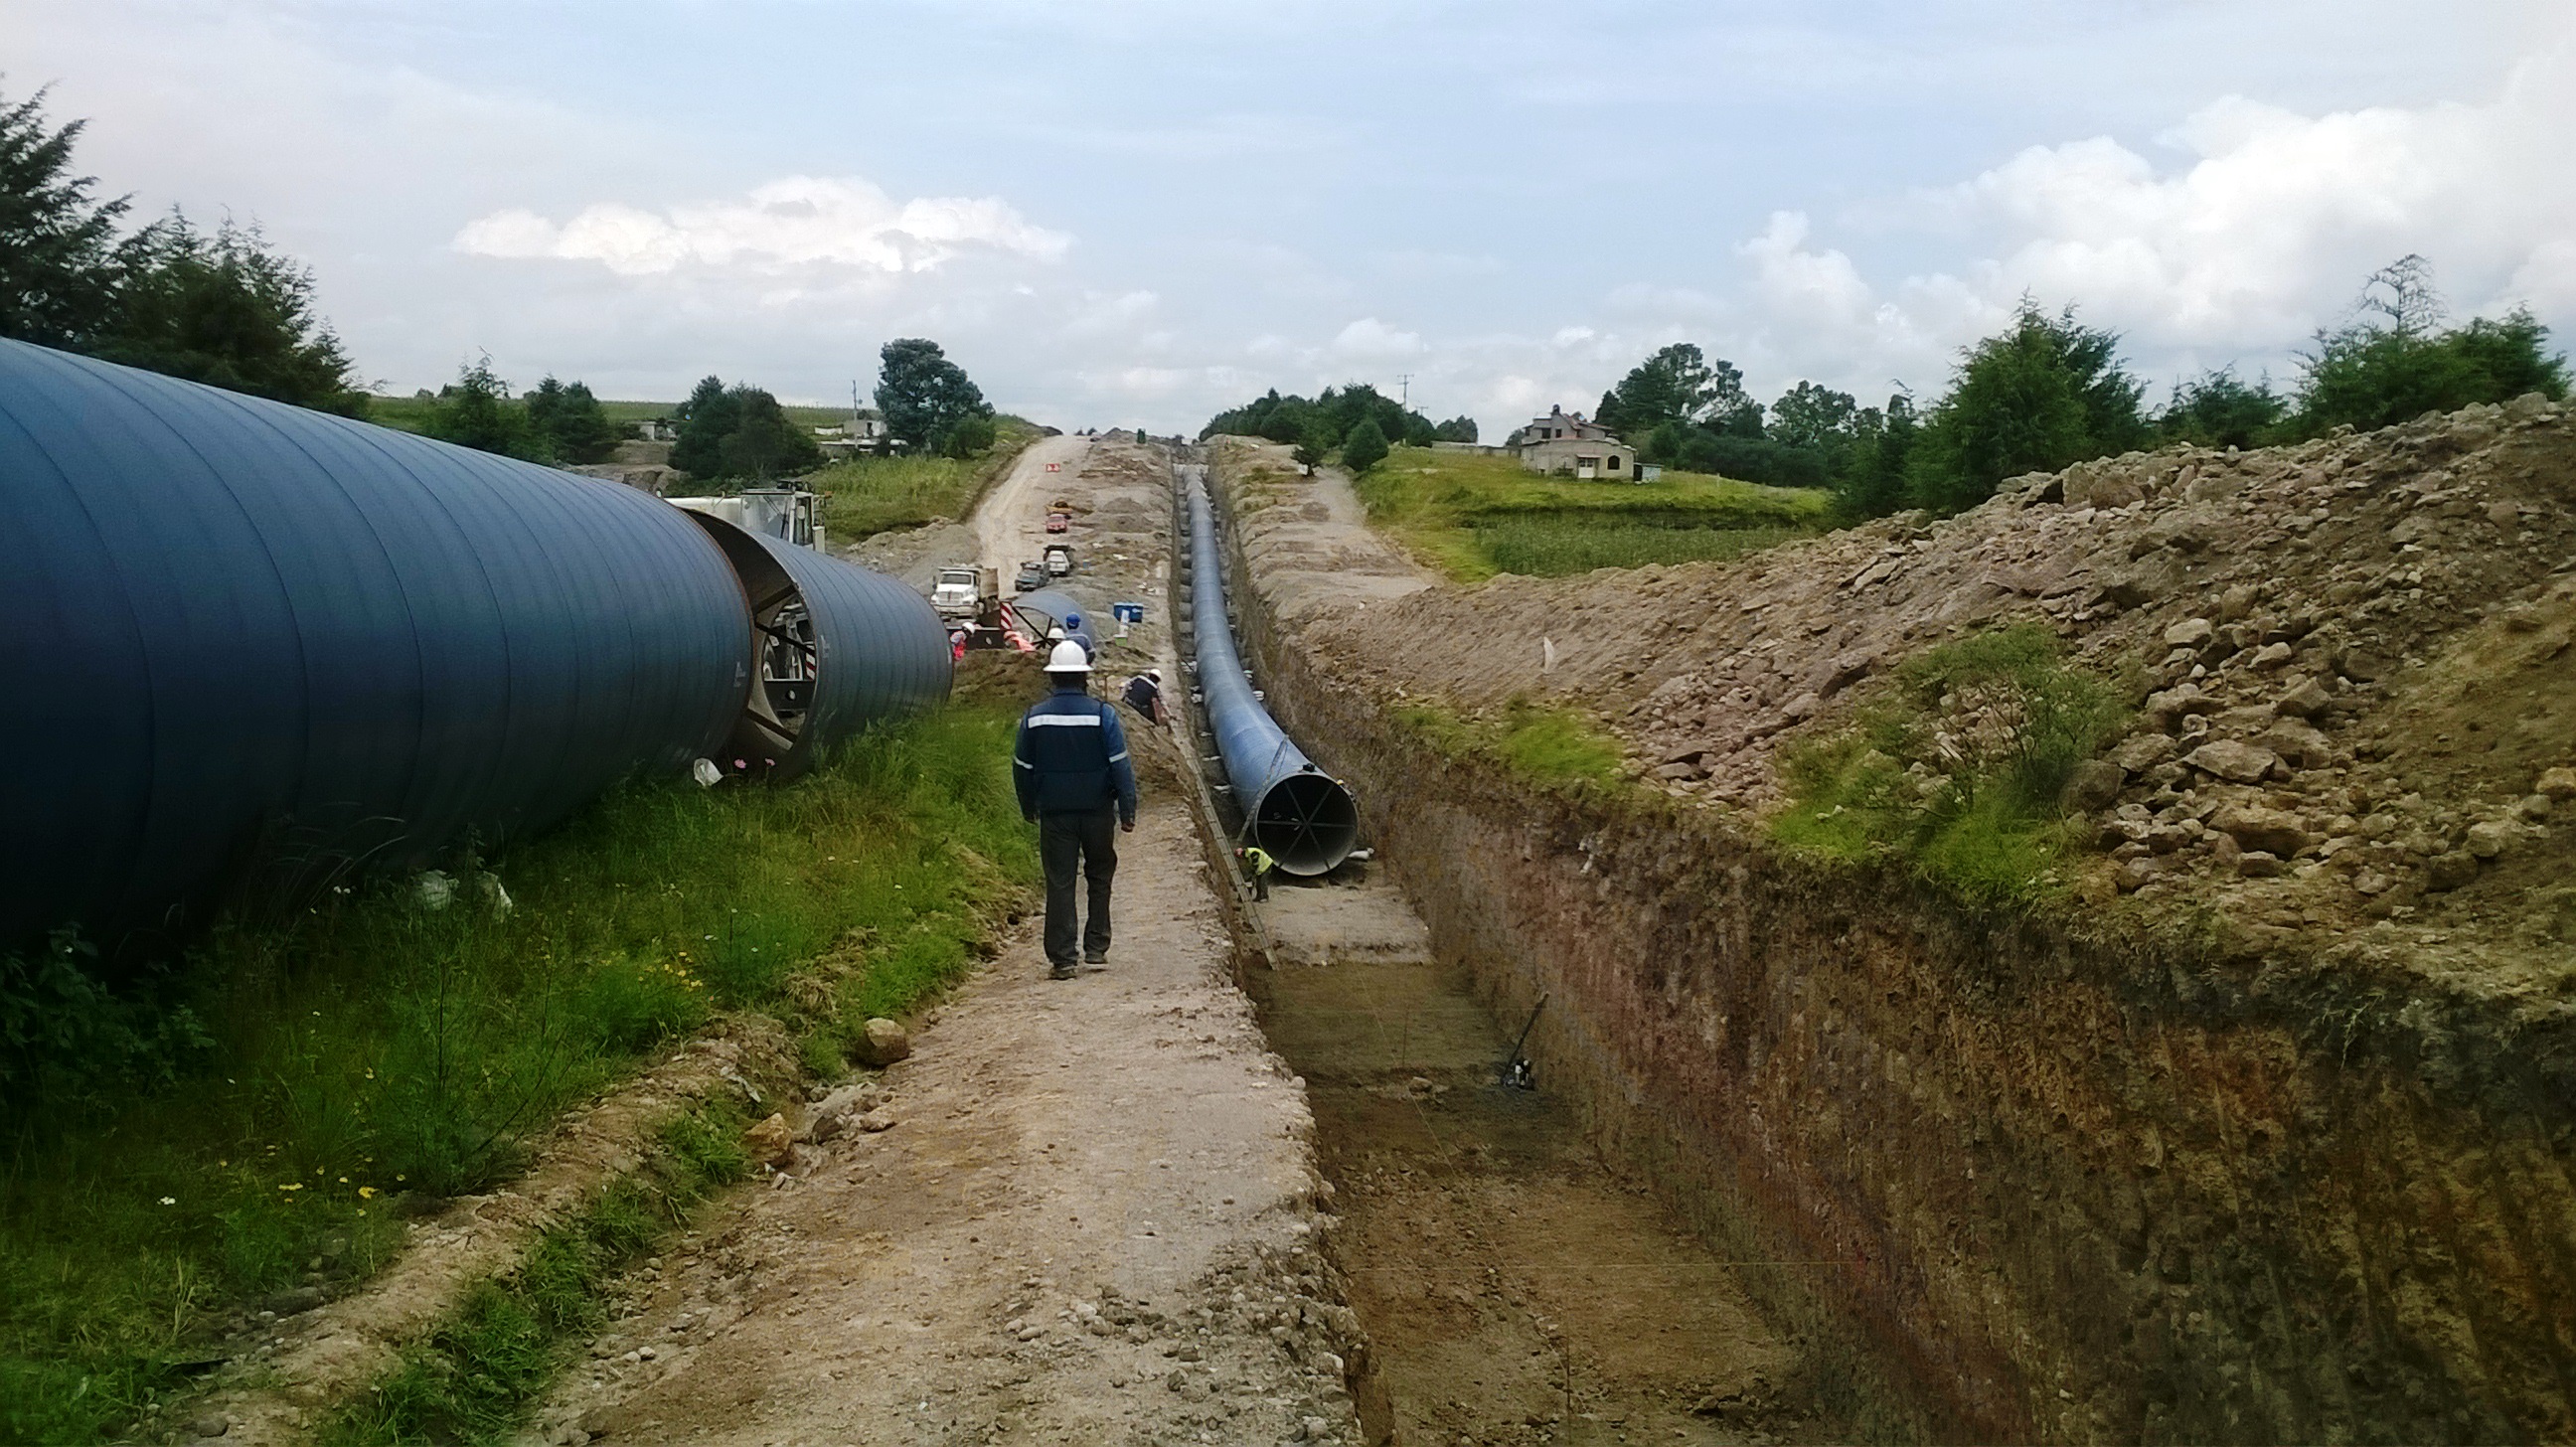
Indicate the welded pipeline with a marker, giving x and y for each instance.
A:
(1301, 816)
(249, 646)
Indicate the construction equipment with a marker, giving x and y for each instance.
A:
(963, 592)
(1058, 560)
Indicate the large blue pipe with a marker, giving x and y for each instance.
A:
(1299, 814)
(248, 645)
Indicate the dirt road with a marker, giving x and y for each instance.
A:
(1010, 526)
(1095, 1220)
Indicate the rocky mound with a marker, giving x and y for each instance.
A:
(2350, 660)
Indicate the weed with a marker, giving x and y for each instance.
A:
(372, 1047)
(1959, 771)
(1538, 743)
(472, 1379)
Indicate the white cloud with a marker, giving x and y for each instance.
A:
(1370, 338)
(792, 222)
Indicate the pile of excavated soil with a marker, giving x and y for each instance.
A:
(2356, 688)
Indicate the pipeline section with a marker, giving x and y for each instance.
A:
(1300, 815)
(250, 647)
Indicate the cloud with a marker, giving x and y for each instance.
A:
(1370, 338)
(797, 221)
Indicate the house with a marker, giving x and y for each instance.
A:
(1564, 442)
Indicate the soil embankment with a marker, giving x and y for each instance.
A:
(2235, 1148)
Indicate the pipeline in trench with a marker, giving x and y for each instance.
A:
(1513, 1287)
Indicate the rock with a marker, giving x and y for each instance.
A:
(2135, 873)
(2170, 706)
(2258, 830)
(292, 1302)
(2307, 700)
(2273, 655)
(881, 1043)
(2141, 752)
(2533, 807)
(2238, 763)
(2189, 633)
(834, 1113)
(2361, 665)
(2095, 784)
(2299, 743)
(879, 1119)
(2493, 839)
(1689, 770)
(2450, 871)
(212, 1424)
(770, 1142)
(2259, 864)
(2558, 784)
(2371, 881)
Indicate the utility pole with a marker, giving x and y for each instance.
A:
(1404, 390)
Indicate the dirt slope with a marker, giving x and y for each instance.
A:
(2355, 662)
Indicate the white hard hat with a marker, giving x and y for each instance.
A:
(1068, 657)
(1055, 633)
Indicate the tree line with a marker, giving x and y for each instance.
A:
(2049, 391)
(1358, 419)
(221, 306)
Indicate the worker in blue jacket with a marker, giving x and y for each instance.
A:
(1074, 777)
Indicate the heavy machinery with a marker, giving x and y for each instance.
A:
(961, 593)
(1057, 560)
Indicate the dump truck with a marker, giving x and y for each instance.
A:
(963, 592)
(1058, 559)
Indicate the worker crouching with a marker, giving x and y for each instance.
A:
(1074, 778)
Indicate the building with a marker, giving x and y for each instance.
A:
(1563, 442)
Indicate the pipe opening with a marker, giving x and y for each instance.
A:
(1306, 822)
(782, 640)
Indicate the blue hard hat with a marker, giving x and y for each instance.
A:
(1072, 620)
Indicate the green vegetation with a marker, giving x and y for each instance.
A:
(1317, 426)
(929, 401)
(264, 1101)
(223, 309)
(2042, 394)
(740, 433)
(870, 495)
(1364, 447)
(1958, 772)
(2395, 361)
(474, 1377)
(1472, 516)
(1538, 743)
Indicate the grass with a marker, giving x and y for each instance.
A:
(871, 495)
(1472, 516)
(474, 1377)
(371, 1047)
(1958, 773)
(1537, 743)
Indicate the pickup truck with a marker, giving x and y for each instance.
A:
(1033, 576)
(962, 592)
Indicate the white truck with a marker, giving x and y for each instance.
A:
(962, 592)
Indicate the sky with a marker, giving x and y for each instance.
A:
(1138, 212)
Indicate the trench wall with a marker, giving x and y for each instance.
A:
(2018, 1181)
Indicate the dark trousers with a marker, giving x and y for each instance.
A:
(1067, 842)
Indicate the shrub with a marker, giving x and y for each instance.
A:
(1365, 447)
(1959, 771)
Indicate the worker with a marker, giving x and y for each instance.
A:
(957, 646)
(1256, 864)
(1073, 777)
(1074, 630)
(1145, 695)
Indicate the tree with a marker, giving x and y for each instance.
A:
(1456, 429)
(2217, 409)
(1317, 440)
(471, 412)
(923, 394)
(2043, 393)
(228, 311)
(2393, 361)
(706, 419)
(764, 444)
(1875, 484)
(57, 280)
(567, 424)
(1808, 415)
(1676, 384)
(969, 438)
(1365, 446)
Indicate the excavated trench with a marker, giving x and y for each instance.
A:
(1513, 1287)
